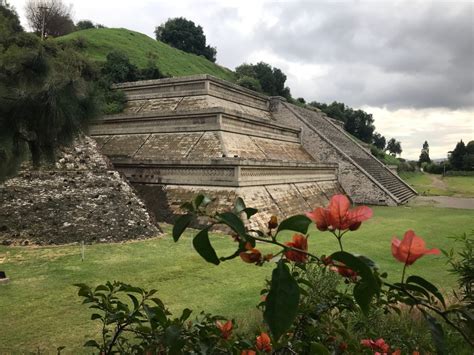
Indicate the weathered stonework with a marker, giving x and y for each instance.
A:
(181, 136)
(80, 198)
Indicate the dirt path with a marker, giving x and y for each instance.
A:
(437, 182)
(444, 202)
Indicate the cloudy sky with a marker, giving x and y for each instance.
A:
(410, 64)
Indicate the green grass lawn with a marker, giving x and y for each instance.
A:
(461, 186)
(40, 308)
(139, 47)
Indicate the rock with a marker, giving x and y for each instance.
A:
(85, 203)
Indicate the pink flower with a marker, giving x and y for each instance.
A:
(410, 249)
(338, 215)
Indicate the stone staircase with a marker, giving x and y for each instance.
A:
(364, 159)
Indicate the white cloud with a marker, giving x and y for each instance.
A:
(442, 128)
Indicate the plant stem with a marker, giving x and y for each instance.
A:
(340, 243)
(403, 273)
(286, 247)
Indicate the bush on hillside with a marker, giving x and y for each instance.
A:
(249, 83)
(48, 95)
(405, 166)
(271, 79)
(185, 35)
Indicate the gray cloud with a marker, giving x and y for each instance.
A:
(407, 54)
(409, 63)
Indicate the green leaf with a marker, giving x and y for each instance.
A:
(233, 222)
(437, 333)
(180, 225)
(101, 288)
(187, 206)
(249, 211)
(298, 223)
(203, 246)
(201, 200)
(318, 349)
(281, 305)
(428, 286)
(414, 288)
(173, 339)
(367, 287)
(134, 300)
(185, 315)
(95, 316)
(92, 343)
(239, 205)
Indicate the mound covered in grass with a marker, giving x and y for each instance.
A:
(97, 43)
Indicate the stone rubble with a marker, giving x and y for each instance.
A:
(79, 198)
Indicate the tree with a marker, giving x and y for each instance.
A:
(47, 95)
(9, 23)
(250, 83)
(425, 154)
(426, 147)
(456, 157)
(185, 35)
(118, 69)
(468, 158)
(84, 25)
(49, 17)
(357, 122)
(394, 147)
(379, 141)
(272, 80)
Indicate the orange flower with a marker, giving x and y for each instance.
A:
(343, 347)
(251, 256)
(344, 271)
(338, 215)
(264, 343)
(273, 222)
(248, 352)
(299, 242)
(410, 249)
(378, 345)
(225, 328)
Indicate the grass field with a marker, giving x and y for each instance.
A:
(40, 308)
(139, 47)
(437, 185)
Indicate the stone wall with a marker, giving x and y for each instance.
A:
(354, 182)
(79, 198)
(282, 200)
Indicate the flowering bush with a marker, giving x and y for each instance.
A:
(306, 308)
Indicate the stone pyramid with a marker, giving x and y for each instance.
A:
(199, 134)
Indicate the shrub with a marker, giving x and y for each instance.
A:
(433, 168)
(250, 83)
(407, 166)
(341, 303)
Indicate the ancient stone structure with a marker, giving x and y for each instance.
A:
(181, 136)
(79, 198)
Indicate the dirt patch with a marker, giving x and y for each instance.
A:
(444, 202)
(437, 182)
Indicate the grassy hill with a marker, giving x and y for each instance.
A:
(97, 43)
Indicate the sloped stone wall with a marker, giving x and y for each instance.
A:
(281, 200)
(79, 198)
(355, 183)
